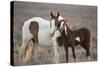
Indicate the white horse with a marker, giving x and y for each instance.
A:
(40, 32)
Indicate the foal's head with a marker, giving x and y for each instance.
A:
(56, 23)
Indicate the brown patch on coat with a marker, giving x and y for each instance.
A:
(60, 40)
(34, 27)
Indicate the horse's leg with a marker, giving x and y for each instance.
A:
(35, 47)
(31, 49)
(55, 46)
(23, 46)
(35, 50)
(24, 49)
(73, 50)
(28, 52)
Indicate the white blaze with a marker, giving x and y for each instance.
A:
(60, 18)
(65, 30)
(61, 24)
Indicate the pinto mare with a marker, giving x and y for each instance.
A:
(72, 38)
(40, 32)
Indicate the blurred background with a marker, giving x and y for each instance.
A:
(78, 16)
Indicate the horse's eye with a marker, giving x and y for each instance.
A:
(58, 25)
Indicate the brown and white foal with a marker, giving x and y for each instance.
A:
(72, 38)
(68, 39)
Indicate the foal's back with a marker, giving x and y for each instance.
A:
(83, 33)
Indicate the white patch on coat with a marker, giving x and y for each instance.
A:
(62, 23)
(53, 28)
(43, 34)
(77, 38)
(57, 34)
(65, 30)
(56, 53)
(55, 46)
(60, 18)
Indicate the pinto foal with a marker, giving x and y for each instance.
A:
(68, 39)
(72, 38)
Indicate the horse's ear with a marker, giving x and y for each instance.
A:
(58, 15)
(52, 14)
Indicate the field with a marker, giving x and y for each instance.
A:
(78, 16)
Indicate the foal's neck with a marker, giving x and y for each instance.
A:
(68, 31)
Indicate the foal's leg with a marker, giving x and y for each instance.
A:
(88, 54)
(73, 50)
(86, 46)
(66, 51)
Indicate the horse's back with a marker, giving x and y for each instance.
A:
(43, 33)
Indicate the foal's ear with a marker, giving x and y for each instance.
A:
(65, 21)
(58, 15)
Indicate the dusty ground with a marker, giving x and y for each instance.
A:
(78, 16)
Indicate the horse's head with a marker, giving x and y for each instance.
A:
(56, 23)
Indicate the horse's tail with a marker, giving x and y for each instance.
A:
(28, 53)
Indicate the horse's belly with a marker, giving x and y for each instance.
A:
(44, 38)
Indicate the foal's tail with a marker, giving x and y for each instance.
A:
(91, 41)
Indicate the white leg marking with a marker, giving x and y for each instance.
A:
(77, 38)
(89, 58)
(60, 18)
(55, 46)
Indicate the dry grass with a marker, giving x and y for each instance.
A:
(78, 16)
